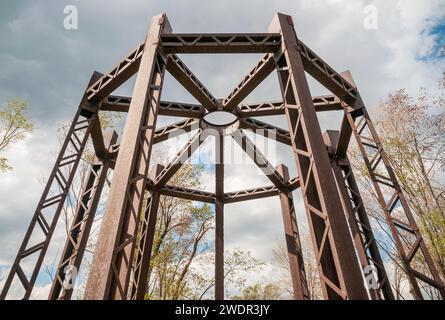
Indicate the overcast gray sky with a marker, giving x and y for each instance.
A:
(49, 66)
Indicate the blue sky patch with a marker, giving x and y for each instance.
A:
(437, 31)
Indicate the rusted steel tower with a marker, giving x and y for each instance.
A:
(342, 235)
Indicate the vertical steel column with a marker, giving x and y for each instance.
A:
(48, 210)
(219, 217)
(110, 271)
(340, 273)
(146, 233)
(71, 257)
(365, 242)
(296, 261)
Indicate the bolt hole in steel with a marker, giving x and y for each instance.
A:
(220, 118)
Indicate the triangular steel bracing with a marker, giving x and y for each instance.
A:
(342, 236)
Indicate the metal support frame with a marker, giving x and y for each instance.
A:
(293, 243)
(79, 231)
(187, 194)
(109, 275)
(404, 230)
(188, 80)
(259, 72)
(175, 109)
(259, 193)
(142, 257)
(341, 233)
(365, 242)
(260, 160)
(192, 145)
(51, 203)
(321, 104)
(266, 130)
(221, 43)
(219, 217)
(175, 129)
(392, 201)
(340, 273)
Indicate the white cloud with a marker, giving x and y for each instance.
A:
(49, 69)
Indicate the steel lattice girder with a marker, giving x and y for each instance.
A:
(117, 76)
(50, 206)
(293, 243)
(143, 248)
(356, 121)
(365, 242)
(79, 232)
(260, 160)
(321, 104)
(175, 130)
(220, 43)
(258, 193)
(396, 209)
(113, 274)
(187, 194)
(192, 145)
(189, 81)
(266, 130)
(326, 75)
(259, 72)
(167, 132)
(110, 271)
(166, 108)
(188, 110)
(340, 273)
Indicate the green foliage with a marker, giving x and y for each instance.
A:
(180, 236)
(237, 264)
(109, 119)
(261, 292)
(182, 250)
(14, 125)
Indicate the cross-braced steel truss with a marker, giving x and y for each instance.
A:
(342, 235)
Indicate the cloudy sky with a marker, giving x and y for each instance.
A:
(49, 66)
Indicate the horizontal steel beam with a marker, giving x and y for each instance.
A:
(189, 110)
(115, 104)
(230, 197)
(327, 103)
(293, 184)
(221, 42)
(176, 109)
(266, 130)
(258, 193)
(251, 194)
(189, 81)
(160, 135)
(271, 108)
(166, 108)
(187, 194)
(321, 104)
